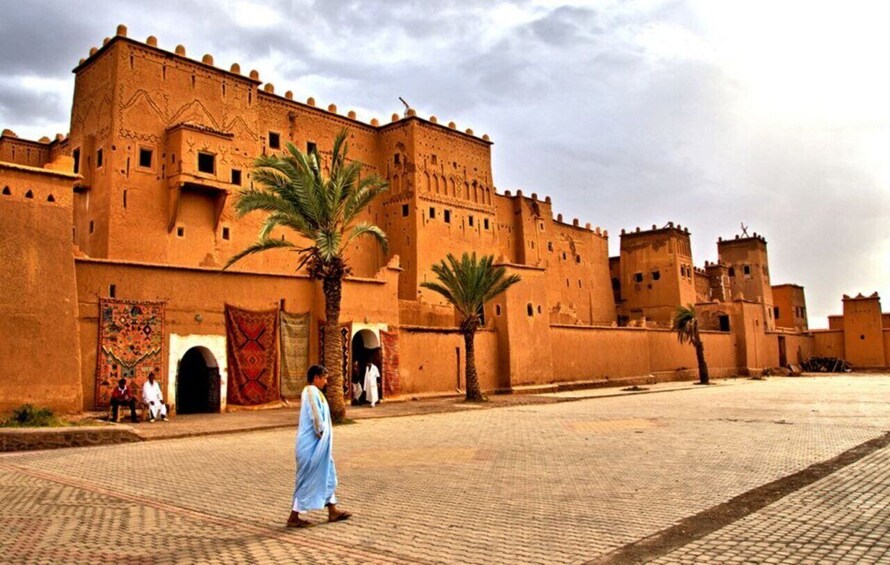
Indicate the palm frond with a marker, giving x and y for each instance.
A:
(258, 247)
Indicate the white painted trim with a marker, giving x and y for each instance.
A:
(179, 346)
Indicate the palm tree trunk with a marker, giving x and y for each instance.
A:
(703, 376)
(333, 348)
(473, 392)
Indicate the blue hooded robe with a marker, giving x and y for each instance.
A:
(316, 475)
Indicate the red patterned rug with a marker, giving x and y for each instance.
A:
(252, 351)
(131, 345)
(392, 385)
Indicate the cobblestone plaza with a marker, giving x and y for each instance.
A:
(566, 482)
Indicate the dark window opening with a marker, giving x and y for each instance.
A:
(776, 312)
(656, 275)
(6, 191)
(530, 309)
(470, 220)
(549, 246)
(616, 284)
(92, 226)
(432, 213)
(225, 233)
(207, 163)
(563, 255)
(29, 194)
(112, 290)
(539, 308)
(396, 159)
(50, 198)
(485, 223)
(497, 310)
(731, 271)
(481, 317)
(274, 140)
(99, 159)
(724, 323)
(747, 269)
(577, 258)
(236, 177)
(638, 277)
(125, 198)
(447, 216)
(404, 210)
(862, 336)
(311, 147)
(180, 231)
(76, 156)
(145, 156)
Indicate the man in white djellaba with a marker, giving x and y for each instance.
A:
(152, 397)
(371, 376)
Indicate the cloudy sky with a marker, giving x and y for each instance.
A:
(706, 113)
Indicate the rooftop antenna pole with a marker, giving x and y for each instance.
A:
(407, 107)
(744, 230)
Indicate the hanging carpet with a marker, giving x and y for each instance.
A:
(392, 385)
(294, 353)
(131, 345)
(252, 352)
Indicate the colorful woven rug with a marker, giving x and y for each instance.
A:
(392, 386)
(252, 351)
(131, 345)
(294, 353)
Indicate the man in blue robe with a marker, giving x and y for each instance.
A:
(316, 475)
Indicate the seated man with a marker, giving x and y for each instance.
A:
(152, 397)
(121, 396)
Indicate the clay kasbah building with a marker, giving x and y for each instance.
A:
(114, 237)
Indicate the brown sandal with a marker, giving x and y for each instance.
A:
(298, 523)
(340, 517)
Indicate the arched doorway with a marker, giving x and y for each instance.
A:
(197, 382)
(365, 347)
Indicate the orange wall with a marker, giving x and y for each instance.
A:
(587, 353)
(194, 292)
(39, 350)
(863, 335)
(828, 343)
(429, 360)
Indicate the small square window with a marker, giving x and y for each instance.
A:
(207, 163)
(274, 140)
(404, 210)
(638, 277)
(447, 216)
(311, 147)
(145, 157)
(432, 213)
(180, 231)
(225, 233)
(747, 269)
(99, 159)
(236, 177)
(656, 275)
(732, 271)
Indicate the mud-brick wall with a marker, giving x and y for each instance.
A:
(828, 343)
(586, 353)
(429, 360)
(39, 351)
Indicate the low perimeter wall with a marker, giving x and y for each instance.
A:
(432, 360)
(586, 353)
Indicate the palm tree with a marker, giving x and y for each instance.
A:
(686, 326)
(295, 194)
(468, 284)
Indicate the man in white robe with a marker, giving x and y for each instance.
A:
(152, 397)
(371, 376)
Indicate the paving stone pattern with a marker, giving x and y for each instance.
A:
(551, 483)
